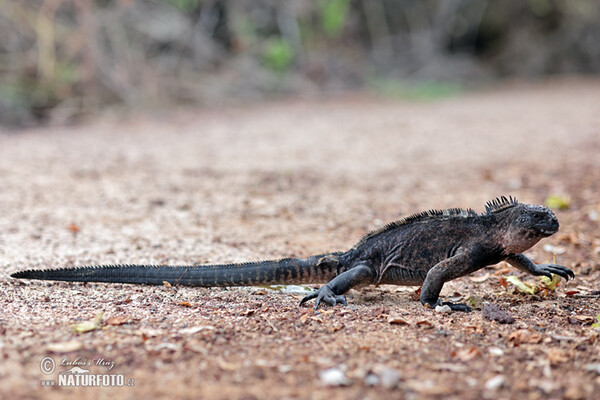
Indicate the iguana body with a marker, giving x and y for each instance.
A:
(427, 249)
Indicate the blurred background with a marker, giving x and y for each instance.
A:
(61, 60)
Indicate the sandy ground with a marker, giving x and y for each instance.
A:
(292, 179)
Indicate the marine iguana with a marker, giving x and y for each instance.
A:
(428, 249)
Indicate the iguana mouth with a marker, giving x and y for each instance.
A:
(548, 232)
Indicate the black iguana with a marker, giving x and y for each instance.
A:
(429, 248)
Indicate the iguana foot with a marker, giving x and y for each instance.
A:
(549, 269)
(457, 306)
(325, 295)
(453, 306)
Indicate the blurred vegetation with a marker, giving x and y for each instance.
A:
(60, 59)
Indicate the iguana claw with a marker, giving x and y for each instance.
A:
(325, 295)
(548, 269)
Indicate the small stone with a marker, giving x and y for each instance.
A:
(443, 309)
(496, 351)
(390, 378)
(494, 383)
(333, 377)
(494, 313)
(371, 380)
(595, 367)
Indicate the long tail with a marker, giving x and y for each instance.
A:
(314, 269)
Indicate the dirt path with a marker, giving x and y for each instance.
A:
(299, 178)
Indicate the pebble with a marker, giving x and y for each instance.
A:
(371, 380)
(494, 383)
(443, 309)
(333, 377)
(390, 378)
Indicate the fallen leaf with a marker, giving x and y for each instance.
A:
(558, 202)
(396, 320)
(480, 278)
(550, 248)
(468, 354)
(524, 336)
(73, 228)
(425, 324)
(88, 326)
(195, 329)
(184, 303)
(117, 321)
(557, 356)
(503, 282)
(304, 318)
(584, 319)
(416, 295)
(548, 283)
(525, 287)
(167, 284)
(571, 293)
(64, 347)
(475, 302)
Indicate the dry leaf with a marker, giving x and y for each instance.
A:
(304, 318)
(480, 278)
(195, 329)
(88, 326)
(583, 319)
(468, 354)
(184, 303)
(396, 320)
(503, 282)
(550, 284)
(64, 347)
(524, 336)
(557, 356)
(525, 287)
(425, 324)
(117, 321)
(550, 248)
(73, 228)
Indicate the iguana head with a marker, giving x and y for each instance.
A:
(525, 224)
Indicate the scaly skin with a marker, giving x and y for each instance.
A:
(427, 249)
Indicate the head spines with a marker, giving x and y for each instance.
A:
(500, 203)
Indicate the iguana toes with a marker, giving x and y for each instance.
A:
(429, 249)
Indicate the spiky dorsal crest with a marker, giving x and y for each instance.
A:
(500, 203)
(419, 217)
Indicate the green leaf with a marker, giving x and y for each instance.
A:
(333, 16)
(278, 54)
(557, 202)
(88, 326)
(528, 288)
(550, 284)
(475, 302)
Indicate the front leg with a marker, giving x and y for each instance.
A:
(463, 263)
(523, 263)
(333, 292)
